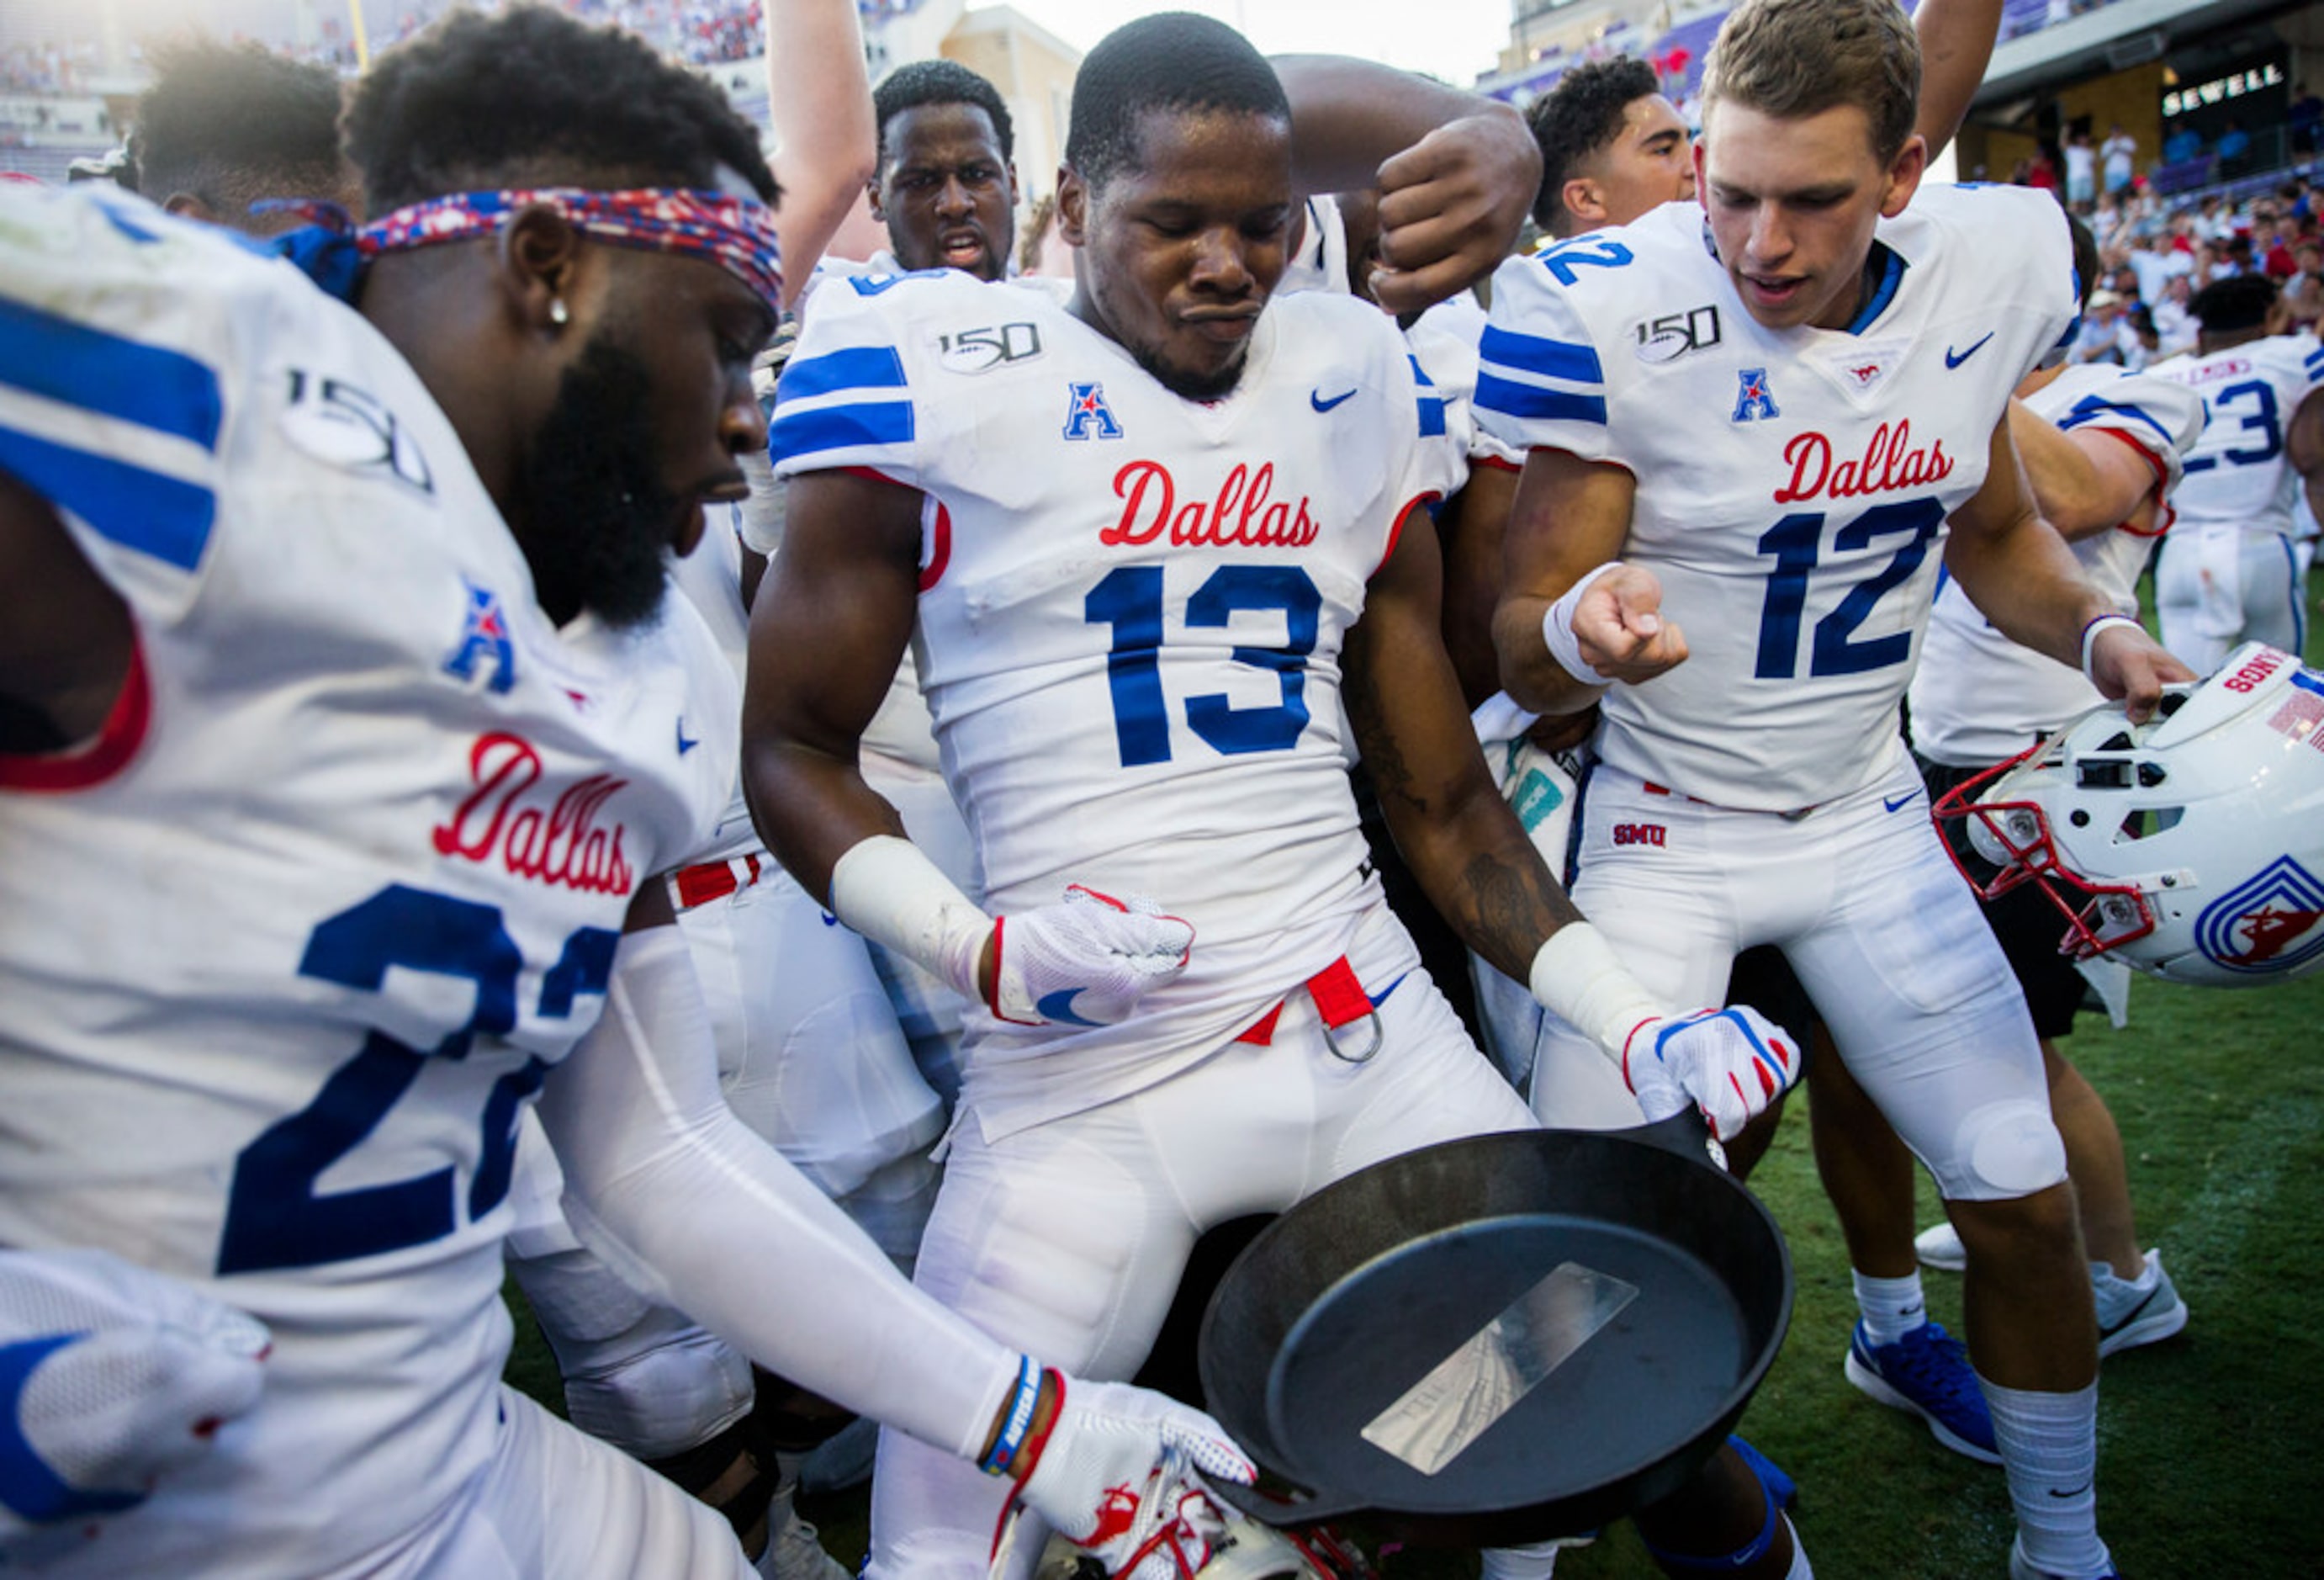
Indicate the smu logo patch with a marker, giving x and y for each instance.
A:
(484, 639)
(1640, 834)
(1088, 415)
(2269, 923)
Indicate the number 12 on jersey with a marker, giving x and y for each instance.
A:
(1796, 542)
(1130, 600)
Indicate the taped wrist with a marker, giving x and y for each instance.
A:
(2090, 638)
(1557, 629)
(885, 889)
(1575, 977)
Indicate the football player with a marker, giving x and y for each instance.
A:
(346, 726)
(1131, 563)
(2229, 572)
(1775, 502)
(1613, 148)
(224, 127)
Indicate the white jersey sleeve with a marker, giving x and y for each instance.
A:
(851, 394)
(119, 401)
(1540, 382)
(1979, 698)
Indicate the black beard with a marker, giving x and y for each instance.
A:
(1190, 386)
(601, 518)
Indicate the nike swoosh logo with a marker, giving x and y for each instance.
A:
(1899, 802)
(2072, 1493)
(1059, 1006)
(1955, 361)
(685, 745)
(1315, 399)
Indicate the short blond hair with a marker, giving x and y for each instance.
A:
(1792, 59)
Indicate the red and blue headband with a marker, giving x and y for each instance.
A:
(737, 234)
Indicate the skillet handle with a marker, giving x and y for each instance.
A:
(1685, 1132)
(1302, 1508)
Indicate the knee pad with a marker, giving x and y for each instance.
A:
(2003, 1151)
(640, 1376)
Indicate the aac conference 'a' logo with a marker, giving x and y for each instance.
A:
(484, 643)
(2271, 923)
(1087, 416)
(1753, 397)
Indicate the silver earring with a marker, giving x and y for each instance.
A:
(558, 314)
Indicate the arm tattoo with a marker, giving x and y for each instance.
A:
(1509, 904)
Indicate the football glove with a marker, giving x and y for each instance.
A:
(1729, 1063)
(1117, 1474)
(1086, 962)
(111, 1376)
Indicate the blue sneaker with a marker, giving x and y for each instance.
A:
(1926, 1372)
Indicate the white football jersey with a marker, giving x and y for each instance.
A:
(1792, 486)
(288, 949)
(1978, 696)
(2239, 474)
(1130, 617)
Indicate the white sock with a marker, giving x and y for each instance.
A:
(1526, 1563)
(1892, 1308)
(2049, 1446)
(2102, 1274)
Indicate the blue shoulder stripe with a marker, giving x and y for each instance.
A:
(1432, 418)
(1419, 372)
(1559, 359)
(165, 517)
(803, 433)
(1516, 400)
(149, 385)
(2315, 366)
(2091, 408)
(851, 367)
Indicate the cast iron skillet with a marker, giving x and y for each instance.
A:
(1344, 1303)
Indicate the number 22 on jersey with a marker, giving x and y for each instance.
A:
(276, 1215)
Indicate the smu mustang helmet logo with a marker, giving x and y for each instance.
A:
(483, 638)
(1088, 414)
(2272, 923)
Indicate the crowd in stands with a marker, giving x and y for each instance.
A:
(46, 67)
(2158, 254)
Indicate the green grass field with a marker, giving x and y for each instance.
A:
(2204, 1440)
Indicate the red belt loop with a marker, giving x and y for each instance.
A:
(1339, 996)
(1340, 999)
(715, 880)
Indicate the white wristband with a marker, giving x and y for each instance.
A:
(1575, 977)
(888, 890)
(2090, 638)
(1557, 631)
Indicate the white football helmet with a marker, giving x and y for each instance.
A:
(2191, 846)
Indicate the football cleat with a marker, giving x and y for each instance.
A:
(1926, 1373)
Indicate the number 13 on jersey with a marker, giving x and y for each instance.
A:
(1130, 600)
